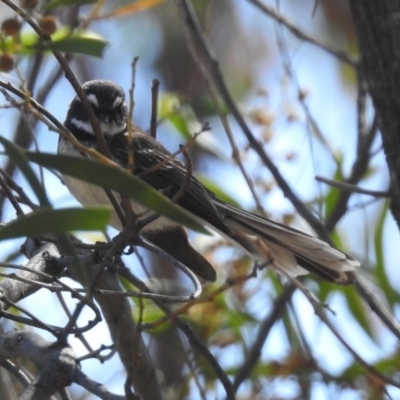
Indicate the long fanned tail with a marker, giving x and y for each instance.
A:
(293, 250)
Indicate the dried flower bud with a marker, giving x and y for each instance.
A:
(6, 62)
(303, 94)
(29, 4)
(48, 24)
(262, 116)
(10, 27)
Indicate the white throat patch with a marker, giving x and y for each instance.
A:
(106, 129)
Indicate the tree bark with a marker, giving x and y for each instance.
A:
(377, 24)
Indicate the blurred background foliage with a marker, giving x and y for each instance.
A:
(301, 104)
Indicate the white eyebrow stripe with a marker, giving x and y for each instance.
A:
(117, 101)
(93, 99)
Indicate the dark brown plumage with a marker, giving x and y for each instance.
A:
(264, 239)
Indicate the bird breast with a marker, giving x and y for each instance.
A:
(92, 195)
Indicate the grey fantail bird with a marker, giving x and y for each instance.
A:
(262, 238)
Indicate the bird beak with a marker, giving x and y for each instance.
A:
(104, 118)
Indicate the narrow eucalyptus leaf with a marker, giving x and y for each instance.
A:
(46, 221)
(19, 157)
(119, 180)
(67, 3)
(77, 44)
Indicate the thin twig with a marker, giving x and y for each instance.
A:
(359, 168)
(202, 52)
(79, 335)
(339, 54)
(11, 196)
(210, 297)
(132, 89)
(235, 150)
(23, 197)
(97, 353)
(178, 195)
(154, 249)
(377, 306)
(130, 126)
(318, 310)
(34, 321)
(16, 372)
(191, 336)
(188, 176)
(154, 107)
(35, 284)
(69, 75)
(254, 353)
(352, 188)
(55, 125)
(97, 388)
(171, 157)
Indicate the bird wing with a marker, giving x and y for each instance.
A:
(161, 170)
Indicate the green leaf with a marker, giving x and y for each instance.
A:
(289, 325)
(359, 311)
(171, 109)
(19, 157)
(91, 46)
(210, 185)
(47, 220)
(333, 194)
(67, 3)
(237, 319)
(62, 40)
(353, 372)
(183, 118)
(325, 289)
(390, 365)
(119, 180)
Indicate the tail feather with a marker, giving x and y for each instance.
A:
(294, 250)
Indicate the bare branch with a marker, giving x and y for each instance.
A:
(154, 107)
(16, 290)
(121, 325)
(273, 13)
(319, 311)
(55, 363)
(69, 75)
(352, 188)
(202, 52)
(254, 353)
(95, 387)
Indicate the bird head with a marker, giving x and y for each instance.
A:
(109, 106)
